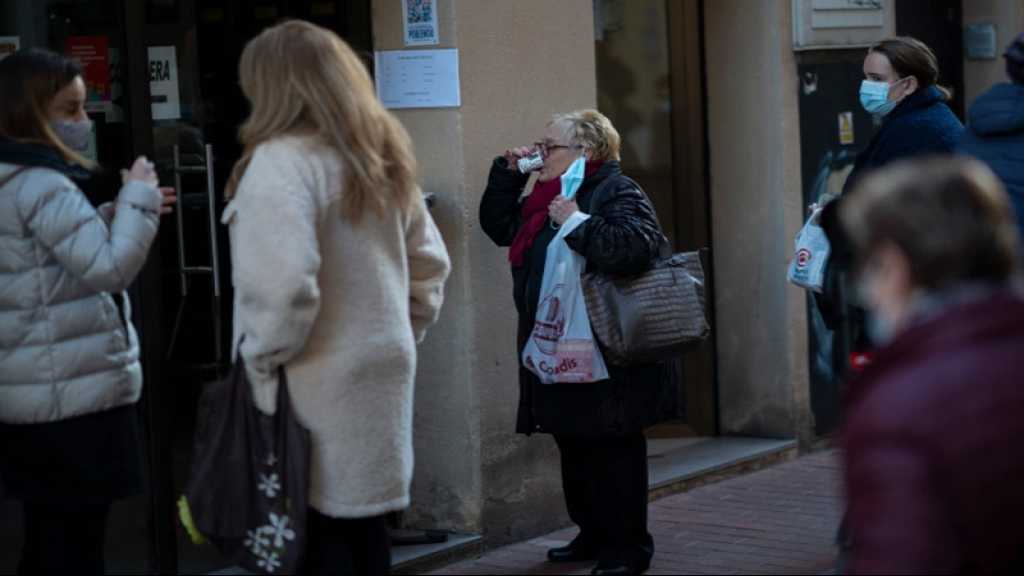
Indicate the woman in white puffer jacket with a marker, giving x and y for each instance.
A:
(69, 358)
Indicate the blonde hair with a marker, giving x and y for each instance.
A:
(302, 79)
(591, 130)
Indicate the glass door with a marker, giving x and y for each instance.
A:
(194, 108)
(162, 78)
(649, 84)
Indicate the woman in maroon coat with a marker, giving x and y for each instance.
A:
(934, 440)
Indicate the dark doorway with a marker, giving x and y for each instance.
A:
(199, 117)
(650, 84)
(192, 324)
(939, 24)
(828, 95)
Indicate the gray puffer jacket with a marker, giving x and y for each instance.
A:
(65, 349)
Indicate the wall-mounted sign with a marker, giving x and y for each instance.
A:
(841, 23)
(419, 20)
(846, 128)
(418, 78)
(9, 45)
(847, 14)
(93, 55)
(980, 41)
(163, 83)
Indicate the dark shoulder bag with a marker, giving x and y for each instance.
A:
(651, 317)
(248, 486)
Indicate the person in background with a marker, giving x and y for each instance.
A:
(995, 132)
(933, 433)
(901, 89)
(69, 356)
(338, 272)
(599, 426)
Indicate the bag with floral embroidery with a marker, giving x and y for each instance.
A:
(248, 486)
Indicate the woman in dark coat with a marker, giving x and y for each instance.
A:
(996, 129)
(598, 426)
(934, 429)
(901, 88)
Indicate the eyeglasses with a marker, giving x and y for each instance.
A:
(546, 148)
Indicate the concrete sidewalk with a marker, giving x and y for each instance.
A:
(780, 520)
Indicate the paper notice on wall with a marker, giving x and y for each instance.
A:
(980, 41)
(420, 22)
(418, 78)
(163, 83)
(9, 45)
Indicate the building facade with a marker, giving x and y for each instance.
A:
(726, 108)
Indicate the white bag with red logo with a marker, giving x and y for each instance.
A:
(811, 255)
(561, 347)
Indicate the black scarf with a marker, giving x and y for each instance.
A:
(42, 156)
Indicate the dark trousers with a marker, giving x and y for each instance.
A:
(63, 536)
(346, 546)
(605, 485)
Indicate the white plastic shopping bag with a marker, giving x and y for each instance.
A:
(811, 255)
(561, 347)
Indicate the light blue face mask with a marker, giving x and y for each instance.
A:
(573, 177)
(874, 97)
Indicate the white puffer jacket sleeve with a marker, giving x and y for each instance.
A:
(105, 258)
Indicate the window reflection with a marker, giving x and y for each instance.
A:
(633, 90)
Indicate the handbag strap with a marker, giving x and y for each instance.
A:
(597, 199)
(665, 250)
(597, 196)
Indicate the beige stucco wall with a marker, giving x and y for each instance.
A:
(1008, 16)
(756, 210)
(519, 63)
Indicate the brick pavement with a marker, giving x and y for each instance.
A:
(780, 520)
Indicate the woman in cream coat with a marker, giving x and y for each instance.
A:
(338, 272)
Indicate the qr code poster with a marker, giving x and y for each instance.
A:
(420, 17)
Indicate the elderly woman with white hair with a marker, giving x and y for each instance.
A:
(598, 426)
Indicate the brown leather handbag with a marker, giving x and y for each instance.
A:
(655, 316)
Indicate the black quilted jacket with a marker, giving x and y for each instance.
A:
(622, 237)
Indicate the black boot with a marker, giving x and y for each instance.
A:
(631, 560)
(575, 551)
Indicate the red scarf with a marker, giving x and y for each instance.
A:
(535, 213)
